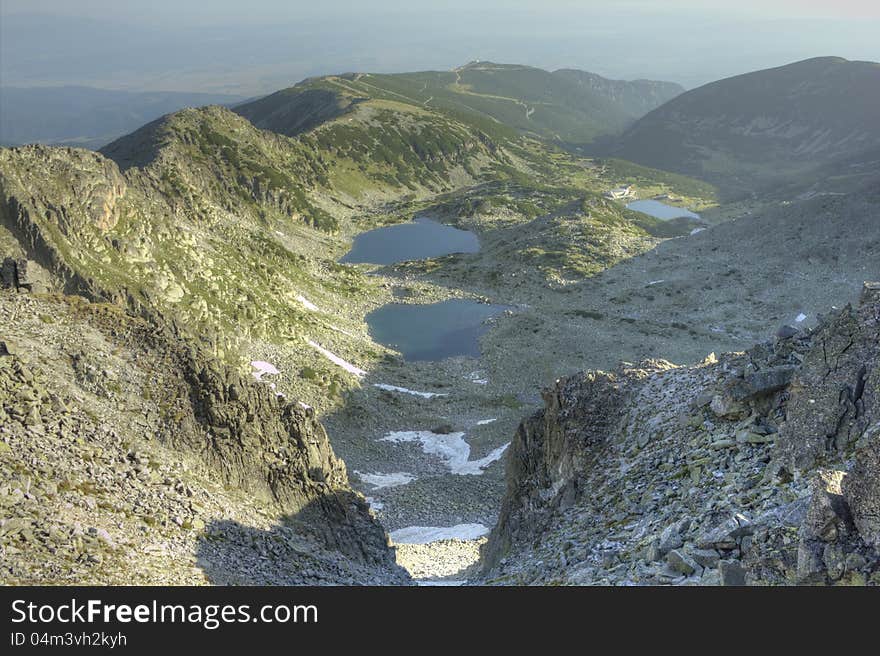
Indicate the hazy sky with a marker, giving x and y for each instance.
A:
(256, 46)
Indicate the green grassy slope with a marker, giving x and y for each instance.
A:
(568, 106)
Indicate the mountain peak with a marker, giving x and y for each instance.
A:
(763, 125)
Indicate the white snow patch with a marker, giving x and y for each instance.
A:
(344, 332)
(450, 447)
(263, 368)
(483, 422)
(279, 233)
(494, 455)
(696, 230)
(307, 304)
(426, 534)
(654, 282)
(378, 481)
(440, 583)
(403, 390)
(374, 504)
(478, 378)
(335, 359)
(304, 406)
(800, 318)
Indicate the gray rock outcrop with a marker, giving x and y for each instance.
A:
(760, 467)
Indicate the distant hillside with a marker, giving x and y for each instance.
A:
(568, 105)
(635, 98)
(84, 116)
(294, 110)
(770, 124)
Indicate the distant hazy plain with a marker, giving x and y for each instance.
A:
(250, 48)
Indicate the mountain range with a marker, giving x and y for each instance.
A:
(188, 380)
(568, 104)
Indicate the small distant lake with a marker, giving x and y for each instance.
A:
(420, 239)
(432, 332)
(660, 210)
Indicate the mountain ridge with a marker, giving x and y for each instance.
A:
(580, 104)
(778, 122)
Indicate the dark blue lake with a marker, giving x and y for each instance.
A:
(432, 332)
(420, 239)
(660, 210)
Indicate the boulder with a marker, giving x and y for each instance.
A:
(705, 557)
(726, 407)
(24, 274)
(834, 560)
(726, 535)
(810, 563)
(765, 381)
(787, 332)
(826, 526)
(731, 573)
(671, 536)
(681, 562)
(827, 515)
(861, 492)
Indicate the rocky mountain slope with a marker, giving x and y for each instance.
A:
(720, 289)
(635, 98)
(129, 455)
(759, 467)
(750, 130)
(196, 221)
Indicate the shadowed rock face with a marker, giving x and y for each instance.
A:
(277, 449)
(133, 424)
(551, 450)
(834, 394)
(759, 467)
(861, 489)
